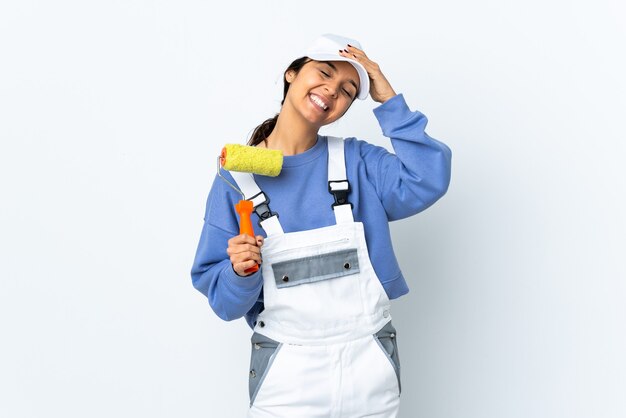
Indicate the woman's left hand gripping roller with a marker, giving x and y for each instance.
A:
(248, 159)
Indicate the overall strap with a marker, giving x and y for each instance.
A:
(268, 220)
(338, 184)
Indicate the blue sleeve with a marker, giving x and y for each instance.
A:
(418, 173)
(230, 295)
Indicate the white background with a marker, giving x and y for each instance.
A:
(112, 114)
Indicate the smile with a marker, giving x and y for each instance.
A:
(319, 102)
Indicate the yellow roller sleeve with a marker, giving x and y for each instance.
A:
(249, 159)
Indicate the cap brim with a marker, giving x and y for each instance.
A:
(364, 80)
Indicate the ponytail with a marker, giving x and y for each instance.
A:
(262, 131)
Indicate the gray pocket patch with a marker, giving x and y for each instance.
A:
(316, 268)
(386, 339)
(264, 351)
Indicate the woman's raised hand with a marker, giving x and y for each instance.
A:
(244, 252)
(380, 89)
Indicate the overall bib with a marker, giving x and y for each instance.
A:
(324, 345)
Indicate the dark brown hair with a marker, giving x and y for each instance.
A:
(262, 131)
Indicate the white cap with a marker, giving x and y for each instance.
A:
(326, 48)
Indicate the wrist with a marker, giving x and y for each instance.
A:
(386, 97)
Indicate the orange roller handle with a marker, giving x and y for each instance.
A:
(244, 209)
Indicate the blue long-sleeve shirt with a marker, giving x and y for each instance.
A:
(385, 187)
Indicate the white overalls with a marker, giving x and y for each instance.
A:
(324, 345)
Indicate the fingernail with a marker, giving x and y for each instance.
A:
(349, 45)
(346, 50)
(341, 50)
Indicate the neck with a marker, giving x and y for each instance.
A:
(291, 135)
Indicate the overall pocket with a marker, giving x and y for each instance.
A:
(386, 339)
(315, 286)
(264, 351)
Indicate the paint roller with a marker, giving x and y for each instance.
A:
(248, 159)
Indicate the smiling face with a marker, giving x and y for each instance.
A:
(322, 91)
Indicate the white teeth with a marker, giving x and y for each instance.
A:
(318, 102)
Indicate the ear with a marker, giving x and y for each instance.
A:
(290, 75)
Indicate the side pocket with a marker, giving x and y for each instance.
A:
(386, 339)
(264, 351)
